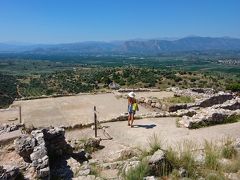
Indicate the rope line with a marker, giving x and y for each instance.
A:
(99, 126)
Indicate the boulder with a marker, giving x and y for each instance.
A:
(141, 100)
(45, 172)
(130, 165)
(8, 172)
(24, 146)
(93, 142)
(84, 172)
(153, 104)
(157, 156)
(158, 105)
(237, 143)
(38, 153)
(158, 164)
(128, 153)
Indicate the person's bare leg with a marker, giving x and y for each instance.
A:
(129, 119)
(132, 119)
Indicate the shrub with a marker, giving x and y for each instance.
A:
(233, 166)
(232, 119)
(173, 158)
(228, 151)
(187, 162)
(141, 171)
(177, 122)
(154, 143)
(235, 87)
(211, 156)
(175, 175)
(186, 158)
(95, 170)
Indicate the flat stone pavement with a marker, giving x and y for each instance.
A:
(68, 111)
(144, 130)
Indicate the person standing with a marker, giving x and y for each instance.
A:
(132, 108)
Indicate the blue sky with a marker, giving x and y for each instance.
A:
(55, 21)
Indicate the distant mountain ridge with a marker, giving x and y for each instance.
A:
(150, 47)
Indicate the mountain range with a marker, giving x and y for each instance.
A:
(149, 47)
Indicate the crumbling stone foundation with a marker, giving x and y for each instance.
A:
(42, 144)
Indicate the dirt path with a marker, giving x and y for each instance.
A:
(164, 128)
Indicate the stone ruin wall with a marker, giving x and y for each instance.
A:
(39, 146)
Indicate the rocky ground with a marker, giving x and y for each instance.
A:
(119, 149)
(80, 156)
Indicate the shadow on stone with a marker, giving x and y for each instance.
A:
(146, 126)
(81, 156)
(60, 169)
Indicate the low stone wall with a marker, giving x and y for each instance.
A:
(215, 99)
(55, 142)
(42, 144)
(5, 128)
(216, 114)
(39, 156)
(58, 95)
(33, 150)
(207, 117)
(137, 90)
(206, 102)
(124, 117)
(197, 93)
(232, 104)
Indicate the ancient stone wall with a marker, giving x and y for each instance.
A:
(42, 144)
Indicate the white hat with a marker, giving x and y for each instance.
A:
(131, 94)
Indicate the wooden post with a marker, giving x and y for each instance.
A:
(20, 114)
(95, 120)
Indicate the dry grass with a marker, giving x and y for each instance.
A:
(178, 100)
(212, 154)
(155, 144)
(228, 151)
(212, 167)
(141, 171)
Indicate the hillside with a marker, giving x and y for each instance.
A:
(149, 47)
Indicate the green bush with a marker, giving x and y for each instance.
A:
(228, 151)
(235, 87)
(173, 158)
(154, 143)
(141, 171)
(211, 156)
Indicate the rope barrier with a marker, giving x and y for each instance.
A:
(103, 128)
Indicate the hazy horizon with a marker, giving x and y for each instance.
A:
(110, 41)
